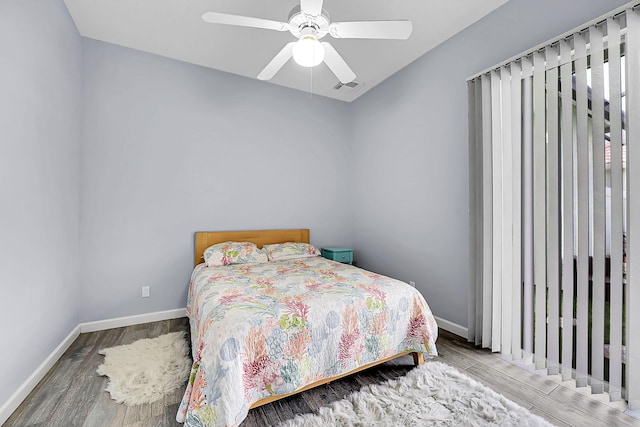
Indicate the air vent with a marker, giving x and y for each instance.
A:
(348, 87)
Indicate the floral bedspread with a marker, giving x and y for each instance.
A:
(260, 330)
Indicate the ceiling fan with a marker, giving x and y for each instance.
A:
(309, 23)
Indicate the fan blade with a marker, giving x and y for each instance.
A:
(337, 65)
(311, 7)
(277, 62)
(244, 21)
(399, 30)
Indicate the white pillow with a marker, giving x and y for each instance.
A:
(234, 253)
(290, 250)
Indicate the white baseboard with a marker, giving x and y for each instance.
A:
(454, 328)
(635, 413)
(119, 322)
(23, 391)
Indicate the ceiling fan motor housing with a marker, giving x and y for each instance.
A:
(301, 24)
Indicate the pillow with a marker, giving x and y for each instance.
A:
(290, 250)
(234, 253)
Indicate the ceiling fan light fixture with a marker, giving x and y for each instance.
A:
(308, 51)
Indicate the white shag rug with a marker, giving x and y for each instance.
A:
(147, 369)
(433, 394)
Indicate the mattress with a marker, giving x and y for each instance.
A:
(263, 330)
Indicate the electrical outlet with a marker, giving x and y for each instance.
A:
(412, 283)
(145, 292)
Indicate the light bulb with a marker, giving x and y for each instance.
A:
(308, 52)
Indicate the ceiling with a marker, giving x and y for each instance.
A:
(175, 29)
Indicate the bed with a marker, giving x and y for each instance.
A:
(264, 331)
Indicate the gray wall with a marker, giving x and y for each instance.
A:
(171, 148)
(40, 116)
(410, 150)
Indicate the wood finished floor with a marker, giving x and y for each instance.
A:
(72, 394)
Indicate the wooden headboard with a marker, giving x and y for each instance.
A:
(204, 239)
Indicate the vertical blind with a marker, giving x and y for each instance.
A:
(555, 223)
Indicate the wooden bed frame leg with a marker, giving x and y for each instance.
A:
(418, 358)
